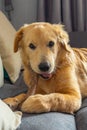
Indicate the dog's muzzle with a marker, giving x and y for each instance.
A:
(44, 67)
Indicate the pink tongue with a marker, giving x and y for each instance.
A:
(46, 75)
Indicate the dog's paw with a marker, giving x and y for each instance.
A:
(36, 104)
(12, 103)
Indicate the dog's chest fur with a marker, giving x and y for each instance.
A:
(61, 78)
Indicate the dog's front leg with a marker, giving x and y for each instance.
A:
(53, 102)
(14, 102)
(68, 103)
(36, 104)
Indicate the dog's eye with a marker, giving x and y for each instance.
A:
(32, 46)
(51, 44)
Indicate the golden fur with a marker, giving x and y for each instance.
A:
(67, 82)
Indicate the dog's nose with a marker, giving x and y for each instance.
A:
(44, 66)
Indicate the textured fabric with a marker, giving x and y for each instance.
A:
(9, 90)
(9, 120)
(48, 121)
(81, 119)
(71, 13)
(1, 73)
(84, 104)
(11, 60)
(78, 39)
(8, 7)
(81, 116)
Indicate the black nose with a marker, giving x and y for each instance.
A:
(44, 66)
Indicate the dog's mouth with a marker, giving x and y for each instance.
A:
(46, 75)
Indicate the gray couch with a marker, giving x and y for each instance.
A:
(51, 120)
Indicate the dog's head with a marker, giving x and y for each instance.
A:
(40, 43)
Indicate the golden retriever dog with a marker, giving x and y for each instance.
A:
(55, 72)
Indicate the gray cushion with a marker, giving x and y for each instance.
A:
(81, 117)
(48, 121)
(9, 89)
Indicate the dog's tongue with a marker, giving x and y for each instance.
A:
(46, 75)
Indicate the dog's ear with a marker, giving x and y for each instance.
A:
(62, 35)
(18, 39)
